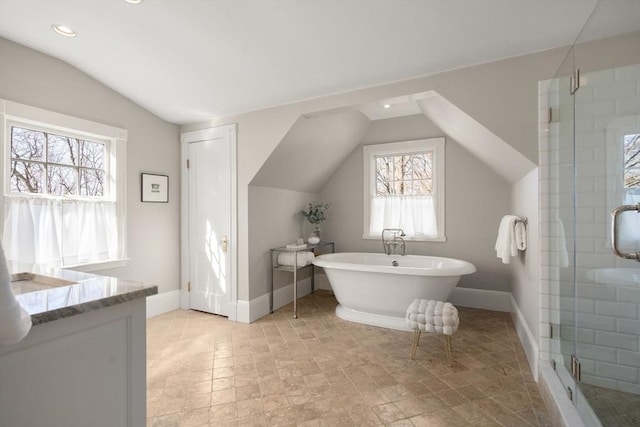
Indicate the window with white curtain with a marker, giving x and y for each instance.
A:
(404, 188)
(63, 181)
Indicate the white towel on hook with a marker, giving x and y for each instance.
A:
(520, 231)
(506, 245)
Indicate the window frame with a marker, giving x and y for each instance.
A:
(16, 114)
(437, 147)
(110, 168)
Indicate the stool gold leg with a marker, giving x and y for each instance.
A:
(416, 340)
(448, 348)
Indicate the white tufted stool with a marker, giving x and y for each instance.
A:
(435, 317)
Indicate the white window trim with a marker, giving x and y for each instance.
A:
(21, 114)
(437, 145)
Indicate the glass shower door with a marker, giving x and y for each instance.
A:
(607, 287)
(590, 165)
(557, 158)
(607, 175)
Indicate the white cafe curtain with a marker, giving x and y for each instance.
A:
(59, 232)
(416, 215)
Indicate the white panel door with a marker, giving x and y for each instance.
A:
(209, 177)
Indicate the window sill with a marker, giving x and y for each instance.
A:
(408, 239)
(97, 266)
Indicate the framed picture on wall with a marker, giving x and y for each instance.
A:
(154, 188)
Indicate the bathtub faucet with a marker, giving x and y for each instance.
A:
(392, 238)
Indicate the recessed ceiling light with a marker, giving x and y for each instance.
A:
(387, 106)
(134, 1)
(63, 30)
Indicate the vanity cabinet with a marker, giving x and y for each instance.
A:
(80, 365)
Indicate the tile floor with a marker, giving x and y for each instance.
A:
(319, 370)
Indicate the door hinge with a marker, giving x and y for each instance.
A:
(189, 286)
(575, 367)
(550, 330)
(574, 81)
(553, 364)
(188, 164)
(550, 115)
(570, 393)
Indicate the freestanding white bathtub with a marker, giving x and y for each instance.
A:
(370, 289)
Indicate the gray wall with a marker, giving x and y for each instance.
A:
(273, 223)
(476, 200)
(525, 282)
(35, 79)
(311, 151)
(501, 95)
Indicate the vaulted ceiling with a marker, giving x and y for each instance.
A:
(315, 146)
(188, 60)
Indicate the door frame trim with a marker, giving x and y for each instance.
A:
(186, 138)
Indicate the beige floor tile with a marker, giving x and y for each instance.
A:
(198, 401)
(225, 411)
(248, 392)
(452, 397)
(260, 421)
(251, 408)
(167, 406)
(223, 396)
(275, 401)
(222, 384)
(472, 413)
(319, 370)
(388, 413)
(431, 403)
(198, 417)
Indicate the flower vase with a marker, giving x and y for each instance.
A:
(314, 238)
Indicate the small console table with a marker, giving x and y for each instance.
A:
(318, 249)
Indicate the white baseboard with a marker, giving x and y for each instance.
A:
(243, 312)
(250, 311)
(481, 298)
(528, 341)
(163, 303)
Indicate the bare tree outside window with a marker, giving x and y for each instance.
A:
(407, 174)
(56, 164)
(632, 161)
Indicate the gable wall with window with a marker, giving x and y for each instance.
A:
(476, 199)
(32, 78)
